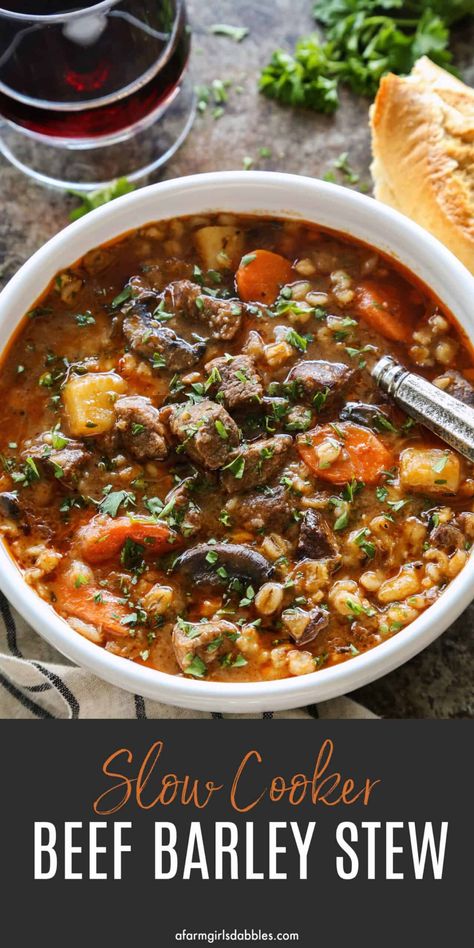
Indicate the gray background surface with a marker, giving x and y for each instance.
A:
(438, 683)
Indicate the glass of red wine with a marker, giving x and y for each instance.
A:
(92, 92)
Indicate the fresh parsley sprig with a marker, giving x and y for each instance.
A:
(365, 39)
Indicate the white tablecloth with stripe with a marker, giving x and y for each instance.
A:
(37, 682)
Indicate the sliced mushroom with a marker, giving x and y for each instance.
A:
(202, 562)
(360, 413)
(9, 505)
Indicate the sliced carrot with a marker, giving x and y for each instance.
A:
(468, 374)
(363, 456)
(382, 306)
(261, 275)
(91, 603)
(103, 537)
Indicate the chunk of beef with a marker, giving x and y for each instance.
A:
(222, 317)
(206, 432)
(456, 385)
(238, 383)
(328, 378)
(188, 515)
(318, 619)
(148, 338)
(141, 428)
(256, 463)
(63, 463)
(316, 540)
(447, 537)
(202, 643)
(269, 509)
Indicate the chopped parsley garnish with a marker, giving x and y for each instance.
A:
(384, 424)
(344, 501)
(85, 319)
(233, 662)
(249, 597)
(58, 440)
(58, 470)
(160, 313)
(342, 521)
(131, 555)
(300, 421)
(236, 467)
(80, 580)
(342, 164)
(357, 609)
(215, 644)
(46, 380)
(99, 197)
(397, 505)
(195, 667)
(365, 544)
(115, 499)
(353, 353)
(320, 399)
(221, 429)
(351, 489)
(364, 40)
(213, 378)
(241, 376)
(237, 33)
(122, 297)
(298, 341)
(32, 468)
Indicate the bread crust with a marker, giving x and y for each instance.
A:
(423, 150)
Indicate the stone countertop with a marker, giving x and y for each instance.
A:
(439, 682)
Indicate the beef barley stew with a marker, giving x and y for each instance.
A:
(198, 472)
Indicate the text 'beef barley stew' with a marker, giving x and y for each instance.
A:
(198, 472)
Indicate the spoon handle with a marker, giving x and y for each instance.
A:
(449, 418)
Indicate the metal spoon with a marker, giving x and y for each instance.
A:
(449, 418)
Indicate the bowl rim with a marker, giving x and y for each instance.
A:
(326, 683)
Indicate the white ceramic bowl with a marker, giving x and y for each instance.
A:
(284, 196)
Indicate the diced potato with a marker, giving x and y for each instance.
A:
(89, 402)
(430, 470)
(220, 247)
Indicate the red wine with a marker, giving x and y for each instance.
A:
(91, 75)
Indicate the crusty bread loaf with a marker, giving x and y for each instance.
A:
(423, 149)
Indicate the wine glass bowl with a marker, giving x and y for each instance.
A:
(93, 93)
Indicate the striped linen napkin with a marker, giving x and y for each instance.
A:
(36, 681)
